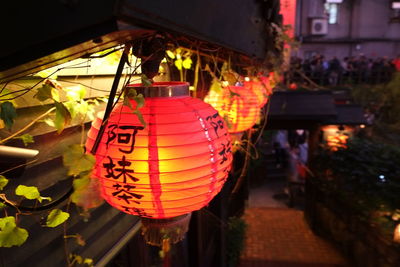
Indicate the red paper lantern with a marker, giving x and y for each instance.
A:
(174, 165)
(237, 104)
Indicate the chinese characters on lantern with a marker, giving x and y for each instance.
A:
(216, 122)
(123, 168)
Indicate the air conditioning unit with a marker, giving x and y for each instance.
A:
(319, 26)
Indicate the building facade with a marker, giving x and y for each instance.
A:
(346, 28)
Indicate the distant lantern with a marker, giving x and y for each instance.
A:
(336, 136)
(261, 88)
(163, 170)
(237, 104)
(396, 236)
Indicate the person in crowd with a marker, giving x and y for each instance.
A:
(334, 71)
(281, 146)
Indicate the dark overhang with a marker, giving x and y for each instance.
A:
(349, 114)
(36, 36)
(306, 109)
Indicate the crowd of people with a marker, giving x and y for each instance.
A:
(335, 71)
(291, 154)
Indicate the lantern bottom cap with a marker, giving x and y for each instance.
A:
(173, 229)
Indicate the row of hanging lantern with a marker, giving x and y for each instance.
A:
(179, 160)
(241, 104)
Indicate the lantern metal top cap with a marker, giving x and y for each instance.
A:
(161, 89)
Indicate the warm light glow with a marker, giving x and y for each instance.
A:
(247, 79)
(362, 126)
(174, 166)
(396, 5)
(396, 236)
(337, 141)
(261, 88)
(336, 138)
(288, 12)
(238, 104)
(225, 83)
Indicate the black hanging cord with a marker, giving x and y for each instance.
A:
(113, 92)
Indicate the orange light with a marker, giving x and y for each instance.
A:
(173, 166)
(396, 236)
(262, 89)
(336, 142)
(237, 104)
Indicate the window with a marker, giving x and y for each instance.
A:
(396, 5)
(331, 9)
(396, 11)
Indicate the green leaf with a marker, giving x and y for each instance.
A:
(88, 261)
(75, 93)
(139, 99)
(187, 63)
(44, 198)
(63, 117)
(10, 234)
(77, 160)
(26, 138)
(29, 192)
(8, 113)
(6, 95)
(75, 108)
(47, 92)
(86, 193)
(140, 117)
(178, 64)
(76, 258)
(3, 182)
(130, 93)
(170, 54)
(127, 103)
(145, 80)
(140, 102)
(49, 122)
(56, 217)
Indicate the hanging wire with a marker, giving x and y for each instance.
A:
(243, 173)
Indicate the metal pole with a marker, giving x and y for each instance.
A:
(113, 92)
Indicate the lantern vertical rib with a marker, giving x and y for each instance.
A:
(212, 150)
(154, 168)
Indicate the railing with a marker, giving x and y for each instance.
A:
(332, 78)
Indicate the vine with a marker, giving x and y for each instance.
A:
(70, 106)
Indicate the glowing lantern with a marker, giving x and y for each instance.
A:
(172, 166)
(261, 89)
(237, 104)
(396, 236)
(336, 137)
